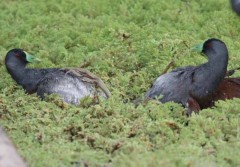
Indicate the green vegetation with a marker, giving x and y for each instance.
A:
(128, 43)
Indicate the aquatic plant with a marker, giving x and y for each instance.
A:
(128, 44)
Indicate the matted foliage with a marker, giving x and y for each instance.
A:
(128, 43)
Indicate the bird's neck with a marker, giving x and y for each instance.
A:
(217, 70)
(28, 77)
(218, 66)
(17, 71)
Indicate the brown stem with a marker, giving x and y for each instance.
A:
(168, 67)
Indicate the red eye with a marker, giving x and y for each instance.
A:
(209, 45)
(17, 54)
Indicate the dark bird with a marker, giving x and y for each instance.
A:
(71, 84)
(235, 6)
(191, 86)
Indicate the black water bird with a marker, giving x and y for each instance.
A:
(235, 6)
(71, 84)
(192, 85)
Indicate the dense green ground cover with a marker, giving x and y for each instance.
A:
(128, 43)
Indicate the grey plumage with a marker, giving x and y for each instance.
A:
(70, 86)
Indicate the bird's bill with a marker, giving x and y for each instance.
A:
(197, 48)
(31, 58)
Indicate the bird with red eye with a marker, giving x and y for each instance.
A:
(20, 56)
(192, 86)
(17, 54)
(71, 84)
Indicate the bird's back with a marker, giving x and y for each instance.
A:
(69, 86)
(172, 86)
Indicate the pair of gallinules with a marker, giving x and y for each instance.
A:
(195, 87)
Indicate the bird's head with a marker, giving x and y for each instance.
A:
(19, 56)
